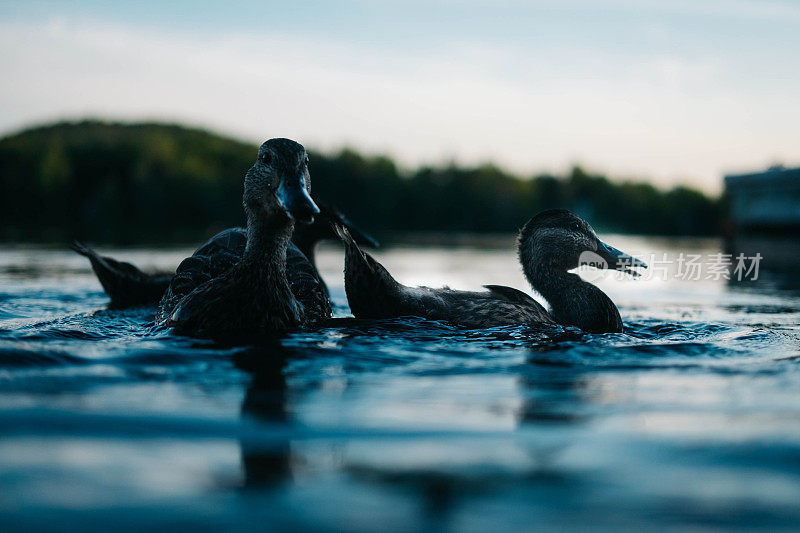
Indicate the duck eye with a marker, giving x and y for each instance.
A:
(266, 158)
(576, 226)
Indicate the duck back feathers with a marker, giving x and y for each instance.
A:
(373, 293)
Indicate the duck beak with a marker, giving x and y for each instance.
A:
(294, 197)
(619, 260)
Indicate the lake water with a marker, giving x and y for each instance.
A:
(688, 420)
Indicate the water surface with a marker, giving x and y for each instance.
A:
(689, 419)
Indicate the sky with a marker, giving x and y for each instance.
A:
(677, 92)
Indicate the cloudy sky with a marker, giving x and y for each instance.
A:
(673, 92)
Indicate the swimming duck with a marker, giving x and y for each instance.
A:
(549, 245)
(128, 286)
(217, 293)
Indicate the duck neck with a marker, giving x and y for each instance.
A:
(574, 302)
(552, 283)
(263, 264)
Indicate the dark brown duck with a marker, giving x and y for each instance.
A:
(549, 245)
(217, 294)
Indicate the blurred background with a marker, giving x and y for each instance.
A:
(439, 127)
(133, 123)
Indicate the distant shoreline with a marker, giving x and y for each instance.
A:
(483, 241)
(130, 183)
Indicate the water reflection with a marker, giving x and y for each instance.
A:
(551, 395)
(690, 415)
(265, 465)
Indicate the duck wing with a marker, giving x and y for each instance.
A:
(126, 285)
(224, 250)
(516, 296)
(226, 243)
(215, 257)
(511, 294)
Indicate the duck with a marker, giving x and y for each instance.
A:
(220, 294)
(128, 286)
(549, 245)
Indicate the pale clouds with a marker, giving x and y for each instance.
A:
(662, 116)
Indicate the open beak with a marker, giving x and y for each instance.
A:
(619, 260)
(294, 197)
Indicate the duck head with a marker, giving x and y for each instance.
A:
(279, 182)
(559, 240)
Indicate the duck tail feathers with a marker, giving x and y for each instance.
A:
(354, 255)
(350, 243)
(82, 249)
(344, 234)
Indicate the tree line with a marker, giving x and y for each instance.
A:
(162, 183)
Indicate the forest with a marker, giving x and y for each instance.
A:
(152, 183)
